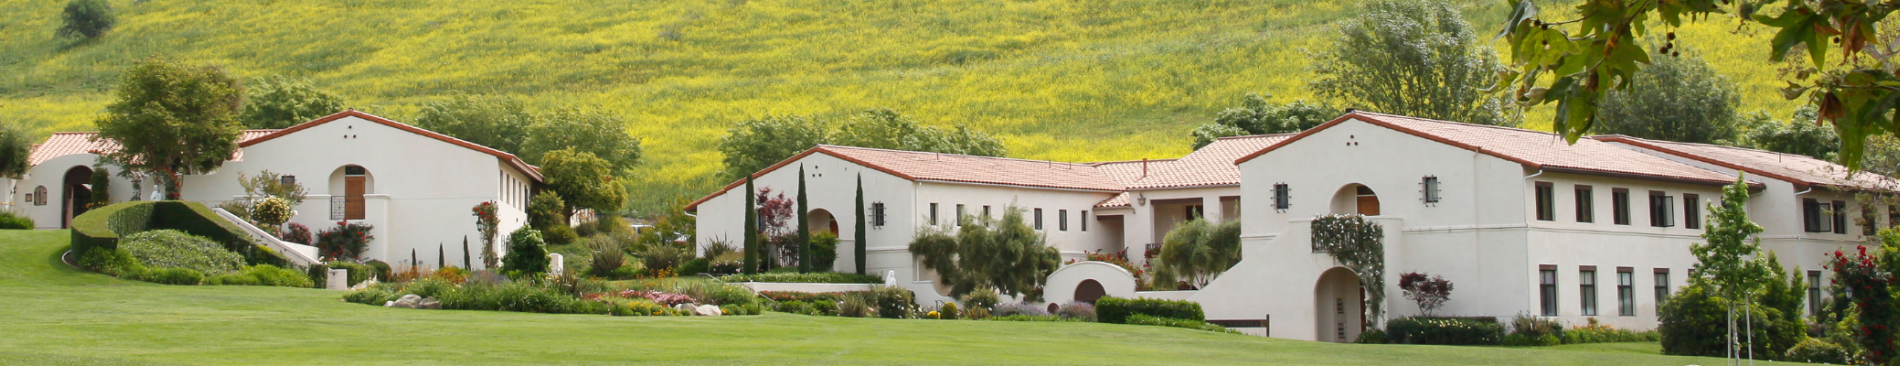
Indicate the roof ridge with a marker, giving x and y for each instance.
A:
(950, 154)
(1700, 144)
(1462, 124)
(1264, 135)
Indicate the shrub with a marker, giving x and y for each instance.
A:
(824, 251)
(1429, 292)
(892, 301)
(976, 313)
(371, 296)
(1520, 340)
(171, 248)
(295, 233)
(450, 274)
(854, 306)
(271, 212)
(171, 276)
(526, 254)
(1535, 327)
(714, 293)
(782, 296)
(86, 18)
(1445, 331)
(345, 241)
(822, 277)
(1372, 336)
(357, 272)
(747, 309)
(981, 299)
(695, 266)
(1025, 318)
(559, 235)
(1143, 319)
(1598, 333)
(378, 268)
(262, 275)
(824, 308)
(607, 257)
(1077, 310)
(794, 307)
(1815, 350)
(1017, 309)
(1117, 310)
(319, 275)
(115, 262)
(13, 221)
(658, 257)
(586, 230)
(949, 311)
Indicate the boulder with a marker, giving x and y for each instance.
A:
(707, 310)
(411, 301)
(688, 308)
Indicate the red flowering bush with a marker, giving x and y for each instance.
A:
(346, 241)
(296, 233)
(488, 224)
(1868, 283)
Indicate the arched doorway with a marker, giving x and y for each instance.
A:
(1088, 291)
(75, 194)
(821, 220)
(348, 185)
(1356, 199)
(1339, 306)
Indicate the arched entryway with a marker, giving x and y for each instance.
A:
(1088, 291)
(821, 220)
(1339, 306)
(348, 185)
(1356, 199)
(75, 194)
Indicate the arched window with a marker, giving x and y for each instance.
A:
(39, 196)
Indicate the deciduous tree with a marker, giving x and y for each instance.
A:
(1196, 251)
(278, 101)
(586, 130)
(15, 148)
(1676, 99)
(173, 119)
(583, 181)
(1256, 116)
(753, 144)
(985, 253)
(494, 121)
(1413, 57)
(86, 18)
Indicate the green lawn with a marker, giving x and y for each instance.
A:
(57, 315)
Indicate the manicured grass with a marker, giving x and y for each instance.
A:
(1063, 80)
(57, 315)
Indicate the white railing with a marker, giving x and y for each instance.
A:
(299, 254)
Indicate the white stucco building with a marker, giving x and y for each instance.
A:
(1520, 221)
(416, 187)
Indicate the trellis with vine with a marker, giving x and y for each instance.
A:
(1357, 244)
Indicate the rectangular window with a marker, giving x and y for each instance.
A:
(1281, 194)
(933, 213)
(1869, 222)
(1814, 293)
(1587, 290)
(1586, 204)
(1038, 219)
(877, 214)
(1691, 211)
(986, 212)
(1196, 211)
(1620, 206)
(1062, 220)
(1625, 291)
(1662, 209)
(1085, 220)
(1430, 188)
(1547, 288)
(1815, 217)
(1840, 217)
(960, 215)
(1546, 210)
(1662, 288)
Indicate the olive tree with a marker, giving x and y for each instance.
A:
(278, 102)
(173, 119)
(984, 253)
(1195, 252)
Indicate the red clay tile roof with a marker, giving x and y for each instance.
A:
(1534, 149)
(1118, 201)
(511, 159)
(69, 143)
(953, 168)
(1211, 166)
(1801, 170)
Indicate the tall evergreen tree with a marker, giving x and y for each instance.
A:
(751, 230)
(857, 238)
(465, 263)
(441, 256)
(803, 229)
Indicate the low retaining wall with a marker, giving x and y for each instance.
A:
(805, 287)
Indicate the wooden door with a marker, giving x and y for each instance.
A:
(1369, 205)
(353, 190)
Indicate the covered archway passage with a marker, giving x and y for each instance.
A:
(75, 194)
(821, 220)
(1356, 199)
(1339, 303)
(1089, 291)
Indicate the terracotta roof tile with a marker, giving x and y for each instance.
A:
(1212, 165)
(69, 143)
(1798, 169)
(915, 165)
(1534, 149)
(1118, 201)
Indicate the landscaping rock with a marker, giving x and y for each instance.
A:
(707, 310)
(688, 308)
(412, 301)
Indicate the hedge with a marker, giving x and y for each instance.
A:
(1117, 310)
(1445, 331)
(102, 227)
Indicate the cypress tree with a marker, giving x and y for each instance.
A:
(441, 255)
(465, 264)
(858, 237)
(751, 230)
(803, 229)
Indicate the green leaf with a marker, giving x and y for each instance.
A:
(1795, 29)
(1524, 10)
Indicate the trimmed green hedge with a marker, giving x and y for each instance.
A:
(1445, 331)
(102, 227)
(1117, 310)
(819, 277)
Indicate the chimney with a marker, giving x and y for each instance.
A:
(1144, 167)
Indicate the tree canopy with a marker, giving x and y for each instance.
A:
(492, 121)
(173, 119)
(15, 148)
(754, 144)
(86, 18)
(1256, 116)
(985, 253)
(1413, 57)
(583, 180)
(278, 102)
(1801, 134)
(1678, 99)
(1591, 50)
(1195, 251)
(585, 130)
